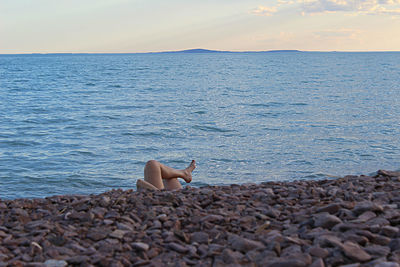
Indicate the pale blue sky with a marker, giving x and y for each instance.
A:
(40, 26)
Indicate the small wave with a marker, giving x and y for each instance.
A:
(84, 153)
(333, 159)
(271, 129)
(211, 129)
(148, 134)
(177, 161)
(268, 114)
(17, 90)
(90, 84)
(222, 160)
(339, 140)
(19, 143)
(266, 105)
(121, 107)
(299, 162)
(114, 86)
(298, 104)
(200, 112)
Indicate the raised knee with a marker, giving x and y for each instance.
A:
(152, 163)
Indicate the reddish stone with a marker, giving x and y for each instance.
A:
(331, 208)
(178, 248)
(318, 263)
(355, 252)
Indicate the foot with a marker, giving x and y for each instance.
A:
(188, 172)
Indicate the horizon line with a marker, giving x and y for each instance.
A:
(201, 50)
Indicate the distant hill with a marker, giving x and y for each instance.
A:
(274, 51)
(196, 51)
(203, 51)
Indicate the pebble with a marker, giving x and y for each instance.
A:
(178, 248)
(140, 246)
(331, 208)
(326, 220)
(243, 244)
(55, 263)
(355, 252)
(350, 221)
(199, 237)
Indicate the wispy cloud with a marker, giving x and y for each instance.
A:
(264, 11)
(391, 7)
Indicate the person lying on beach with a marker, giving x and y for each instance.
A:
(158, 176)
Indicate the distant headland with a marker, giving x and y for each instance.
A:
(204, 51)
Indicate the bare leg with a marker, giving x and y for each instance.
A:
(162, 176)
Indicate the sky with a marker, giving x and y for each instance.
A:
(130, 26)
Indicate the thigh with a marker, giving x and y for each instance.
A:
(172, 184)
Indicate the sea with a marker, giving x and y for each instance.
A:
(88, 123)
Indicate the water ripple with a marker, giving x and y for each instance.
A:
(84, 124)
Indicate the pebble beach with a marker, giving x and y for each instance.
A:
(350, 221)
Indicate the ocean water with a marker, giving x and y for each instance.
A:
(83, 124)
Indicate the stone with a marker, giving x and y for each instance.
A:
(388, 173)
(377, 250)
(295, 260)
(231, 257)
(55, 263)
(361, 240)
(212, 218)
(140, 246)
(125, 227)
(78, 259)
(355, 252)
(105, 201)
(318, 252)
(328, 241)
(318, 263)
(367, 206)
(162, 217)
(80, 216)
(380, 240)
(119, 234)
(293, 249)
(272, 213)
(99, 212)
(97, 235)
(243, 244)
(331, 208)
(366, 216)
(273, 236)
(326, 220)
(199, 237)
(394, 244)
(387, 264)
(262, 227)
(390, 231)
(178, 248)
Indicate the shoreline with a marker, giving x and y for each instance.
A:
(349, 220)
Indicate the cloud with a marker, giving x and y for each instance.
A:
(285, 2)
(264, 11)
(351, 6)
